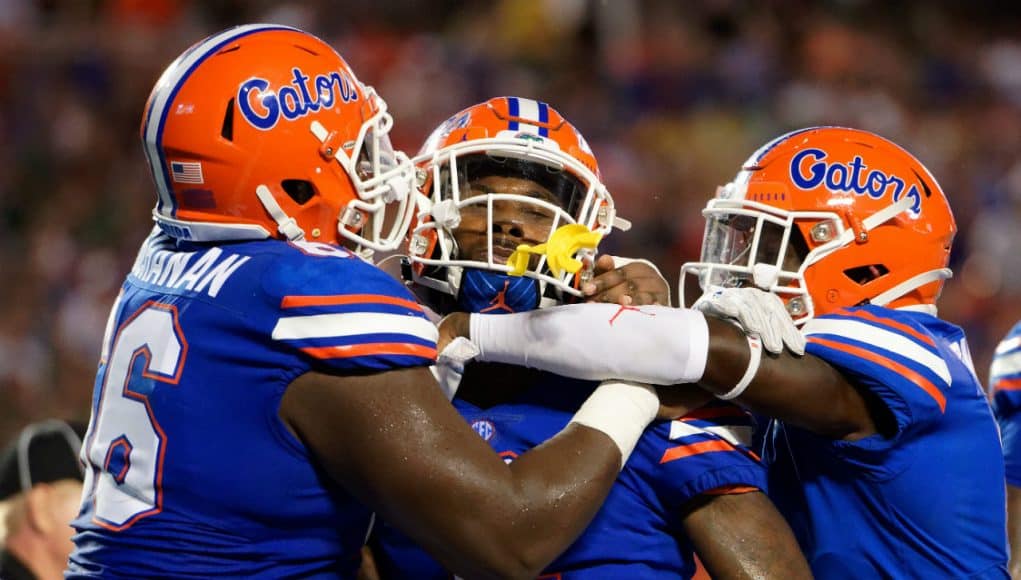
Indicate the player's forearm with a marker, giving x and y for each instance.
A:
(558, 486)
(800, 390)
(479, 516)
(515, 524)
(555, 496)
(744, 536)
(651, 344)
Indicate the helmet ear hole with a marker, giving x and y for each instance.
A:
(227, 129)
(299, 190)
(864, 274)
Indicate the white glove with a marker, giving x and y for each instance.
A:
(759, 313)
(450, 364)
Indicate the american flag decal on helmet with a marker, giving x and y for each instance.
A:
(186, 172)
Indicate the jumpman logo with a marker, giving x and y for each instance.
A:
(622, 308)
(499, 303)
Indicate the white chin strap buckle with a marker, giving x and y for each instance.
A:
(765, 276)
(401, 185)
(286, 225)
(446, 214)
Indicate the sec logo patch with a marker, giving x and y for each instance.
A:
(484, 428)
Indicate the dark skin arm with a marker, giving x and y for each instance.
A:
(394, 442)
(804, 391)
(743, 536)
(368, 570)
(1014, 529)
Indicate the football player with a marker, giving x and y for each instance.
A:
(1005, 385)
(263, 389)
(883, 455)
(504, 178)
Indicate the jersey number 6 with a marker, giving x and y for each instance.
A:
(125, 445)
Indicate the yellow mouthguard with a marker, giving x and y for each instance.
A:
(559, 250)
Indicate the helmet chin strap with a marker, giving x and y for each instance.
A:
(910, 284)
(285, 223)
(877, 219)
(454, 274)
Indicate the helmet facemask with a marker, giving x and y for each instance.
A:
(752, 244)
(378, 220)
(748, 244)
(483, 205)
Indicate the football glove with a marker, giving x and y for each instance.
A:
(758, 313)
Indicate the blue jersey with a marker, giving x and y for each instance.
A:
(926, 502)
(1005, 386)
(191, 472)
(638, 532)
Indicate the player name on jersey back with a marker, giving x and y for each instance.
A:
(204, 271)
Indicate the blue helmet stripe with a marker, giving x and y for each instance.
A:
(514, 111)
(543, 119)
(167, 88)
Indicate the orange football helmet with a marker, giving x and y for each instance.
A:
(263, 131)
(827, 218)
(514, 137)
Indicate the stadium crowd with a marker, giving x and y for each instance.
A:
(673, 97)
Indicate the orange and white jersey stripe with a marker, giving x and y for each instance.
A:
(354, 326)
(1005, 372)
(886, 347)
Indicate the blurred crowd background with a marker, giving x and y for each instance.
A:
(672, 96)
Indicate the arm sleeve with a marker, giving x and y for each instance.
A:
(651, 344)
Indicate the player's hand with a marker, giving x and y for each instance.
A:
(634, 282)
(677, 401)
(759, 313)
(452, 326)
